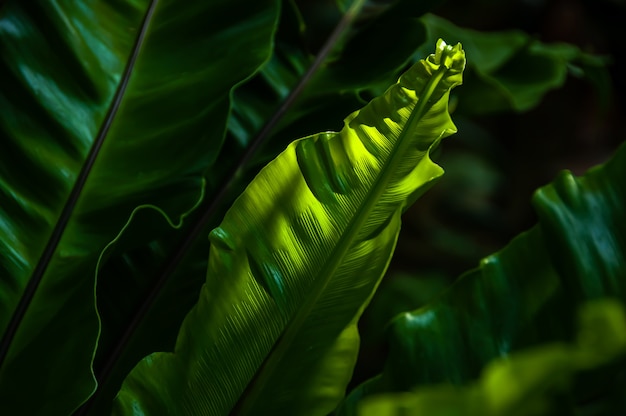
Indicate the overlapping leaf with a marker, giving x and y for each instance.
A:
(104, 107)
(297, 257)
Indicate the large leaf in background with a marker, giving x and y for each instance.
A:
(296, 258)
(512, 70)
(523, 295)
(104, 107)
(526, 383)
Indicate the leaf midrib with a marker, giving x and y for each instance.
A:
(268, 367)
(66, 214)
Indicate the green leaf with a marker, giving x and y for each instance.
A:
(297, 257)
(167, 273)
(160, 279)
(524, 383)
(104, 107)
(513, 71)
(585, 231)
(475, 320)
(523, 295)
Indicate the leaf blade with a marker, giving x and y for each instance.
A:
(86, 75)
(347, 190)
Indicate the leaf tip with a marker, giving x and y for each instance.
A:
(451, 57)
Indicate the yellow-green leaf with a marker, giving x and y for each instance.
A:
(296, 259)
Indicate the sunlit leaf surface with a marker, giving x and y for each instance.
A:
(296, 259)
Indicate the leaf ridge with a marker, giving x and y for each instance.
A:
(355, 227)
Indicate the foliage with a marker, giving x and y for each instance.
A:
(296, 257)
(523, 296)
(521, 383)
(128, 128)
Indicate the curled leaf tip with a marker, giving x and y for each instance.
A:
(451, 57)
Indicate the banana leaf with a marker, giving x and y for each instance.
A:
(296, 259)
(522, 296)
(105, 107)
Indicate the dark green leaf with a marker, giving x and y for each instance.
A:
(105, 107)
(178, 259)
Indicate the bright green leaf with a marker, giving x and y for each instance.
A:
(297, 257)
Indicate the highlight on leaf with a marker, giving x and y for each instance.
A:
(297, 258)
